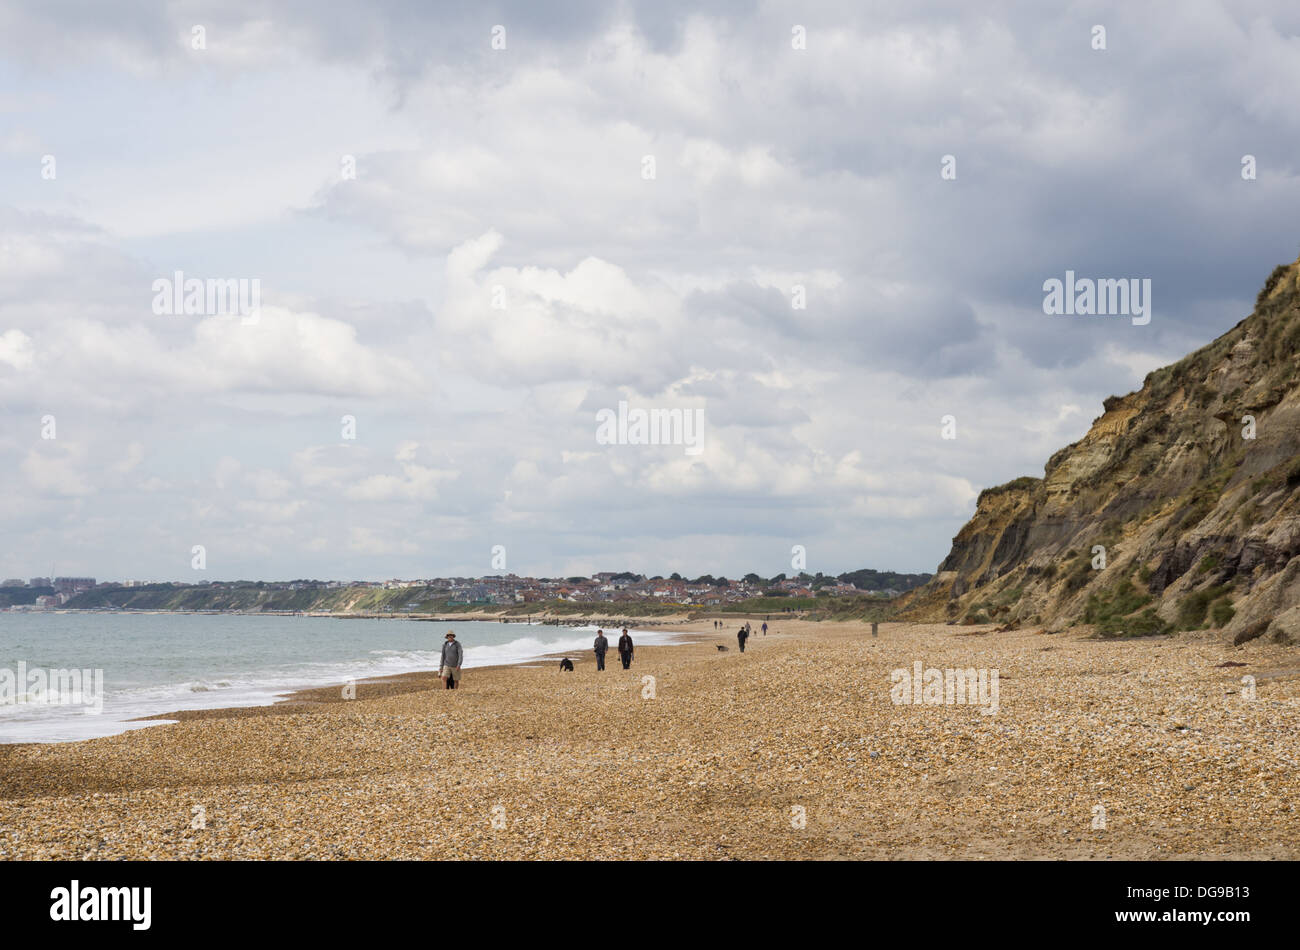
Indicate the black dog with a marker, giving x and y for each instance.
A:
(566, 665)
(721, 648)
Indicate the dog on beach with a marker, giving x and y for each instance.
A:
(566, 665)
(722, 649)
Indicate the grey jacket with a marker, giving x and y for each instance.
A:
(452, 654)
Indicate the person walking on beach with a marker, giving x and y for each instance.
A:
(625, 649)
(452, 656)
(742, 635)
(764, 628)
(601, 645)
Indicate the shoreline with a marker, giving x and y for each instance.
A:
(290, 699)
(393, 684)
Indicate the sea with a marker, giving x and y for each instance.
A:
(152, 663)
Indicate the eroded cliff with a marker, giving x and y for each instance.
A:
(1179, 509)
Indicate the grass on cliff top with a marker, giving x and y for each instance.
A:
(1278, 273)
(1023, 483)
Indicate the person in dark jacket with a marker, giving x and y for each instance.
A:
(601, 645)
(625, 649)
(452, 655)
(742, 635)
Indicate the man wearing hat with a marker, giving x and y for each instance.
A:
(452, 654)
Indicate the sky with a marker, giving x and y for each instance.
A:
(819, 228)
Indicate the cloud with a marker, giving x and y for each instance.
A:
(57, 469)
(502, 266)
(16, 349)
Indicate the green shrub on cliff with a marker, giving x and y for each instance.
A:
(1114, 613)
(1195, 512)
(1145, 624)
(1111, 605)
(1079, 575)
(1194, 607)
(1221, 612)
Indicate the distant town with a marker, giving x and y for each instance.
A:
(491, 591)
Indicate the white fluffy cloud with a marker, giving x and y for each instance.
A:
(502, 266)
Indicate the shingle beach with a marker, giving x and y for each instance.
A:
(1141, 749)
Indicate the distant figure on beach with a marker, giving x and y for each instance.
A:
(566, 665)
(742, 635)
(452, 655)
(601, 645)
(625, 649)
(764, 628)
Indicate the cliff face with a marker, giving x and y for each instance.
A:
(1180, 509)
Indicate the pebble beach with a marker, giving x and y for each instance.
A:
(1138, 749)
